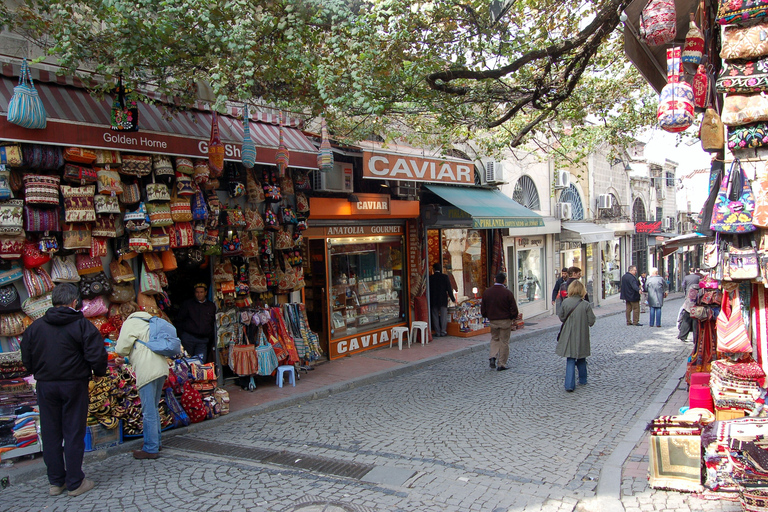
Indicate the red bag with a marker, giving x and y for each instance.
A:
(192, 403)
(215, 149)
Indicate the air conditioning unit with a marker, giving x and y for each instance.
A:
(405, 189)
(563, 179)
(667, 223)
(563, 211)
(338, 180)
(494, 172)
(604, 202)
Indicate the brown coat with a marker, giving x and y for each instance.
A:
(499, 303)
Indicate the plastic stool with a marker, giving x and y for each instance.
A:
(291, 375)
(399, 332)
(417, 327)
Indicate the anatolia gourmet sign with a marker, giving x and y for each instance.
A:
(386, 166)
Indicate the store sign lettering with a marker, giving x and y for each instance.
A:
(362, 342)
(406, 168)
(364, 230)
(487, 223)
(647, 227)
(345, 230)
(121, 138)
(230, 150)
(533, 242)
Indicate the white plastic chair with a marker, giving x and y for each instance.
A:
(419, 327)
(399, 332)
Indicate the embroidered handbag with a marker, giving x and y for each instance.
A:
(199, 232)
(136, 165)
(87, 264)
(122, 293)
(230, 244)
(711, 255)
(149, 283)
(108, 182)
(270, 220)
(215, 149)
(131, 193)
(676, 103)
(182, 235)
(740, 109)
(108, 158)
(124, 115)
(731, 332)
(740, 11)
(25, 107)
(741, 263)
(198, 206)
(289, 217)
(137, 220)
(77, 236)
(743, 77)
(92, 285)
(744, 43)
(658, 23)
(97, 306)
(235, 217)
(733, 216)
(10, 271)
(12, 324)
(139, 242)
(41, 190)
(760, 186)
(257, 281)
(79, 155)
(10, 155)
(253, 220)
(185, 186)
(63, 270)
(160, 239)
(253, 188)
(184, 165)
(107, 226)
(302, 205)
(749, 136)
(711, 132)
(181, 210)
(162, 165)
(32, 256)
(152, 261)
(78, 203)
(301, 181)
(121, 271)
(98, 246)
(202, 172)
(9, 299)
(79, 175)
(37, 281)
(105, 205)
(159, 214)
(12, 217)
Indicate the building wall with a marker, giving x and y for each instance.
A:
(536, 167)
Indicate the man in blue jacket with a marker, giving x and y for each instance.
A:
(63, 350)
(630, 293)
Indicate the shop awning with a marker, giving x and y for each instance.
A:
(673, 244)
(585, 232)
(79, 119)
(489, 209)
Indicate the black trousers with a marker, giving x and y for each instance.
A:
(63, 413)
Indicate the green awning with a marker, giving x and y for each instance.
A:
(489, 208)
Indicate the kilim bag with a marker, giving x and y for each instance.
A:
(109, 226)
(108, 158)
(202, 172)
(731, 332)
(199, 230)
(87, 264)
(77, 236)
(131, 193)
(253, 188)
(137, 220)
(5, 184)
(266, 356)
(745, 43)
(63, 270)
(257, 281)
(198, 206)
(78, 203)
(182, 235)
(658, 22)
(25, 107)
(740, 11)
(253, 220)
(159, 214)
(733, 216)
(185, 186)
(80, 155)
(160, 239)
(10, 272)
(37, 281)
(325, 154)
(181, 210)
(108, 182)
(41, 190)
(676, 101)
(99, 247)
(215, 149)
(149, 283)
(136, 165)
(121, 271)
(694, 43)
(79, 175)
(106, 204)
(248, 150)
(162, 165)
(138, 241)
(184, 165)
(10, 155)
(12, 217)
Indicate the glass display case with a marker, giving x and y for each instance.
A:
(366, 291)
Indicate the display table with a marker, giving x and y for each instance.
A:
(454, 330)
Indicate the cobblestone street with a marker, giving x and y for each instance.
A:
(451, 436)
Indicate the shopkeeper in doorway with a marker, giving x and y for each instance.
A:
(195, 322)
(440, 291)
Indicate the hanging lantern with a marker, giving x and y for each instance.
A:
(281, 158)
(694, 44)
(249, 148)
(325, 155)
(700, 83)
(675, 112)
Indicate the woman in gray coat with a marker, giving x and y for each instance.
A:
(573, 344)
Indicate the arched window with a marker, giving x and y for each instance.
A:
(614, 212)
(526, 194)
(571, 195)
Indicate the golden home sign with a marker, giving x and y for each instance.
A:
(385, 166)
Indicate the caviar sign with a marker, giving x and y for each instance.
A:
(386, 166)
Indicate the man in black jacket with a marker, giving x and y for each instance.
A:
(63, 350)
(439, 292)
(630, 293)
(500, 307)
(196, 322)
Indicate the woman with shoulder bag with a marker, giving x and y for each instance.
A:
(573, 341)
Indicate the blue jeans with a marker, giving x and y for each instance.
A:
(150, 399)
(570, 372)
(655, 317)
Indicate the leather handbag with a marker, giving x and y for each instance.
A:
(63, 270)
(79, 174)
(5, 184)
(108, 182)
(731, 332)
(12, 217)
(202, 172)
(78, 203)
(733, 216)
(253, 188)
(37, 281)
(121, 271)
(169, 261)
(248, 150)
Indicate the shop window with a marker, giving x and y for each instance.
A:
(463, 256)
(367, 290)
(530, 275)
(670, 179)
(611, 267)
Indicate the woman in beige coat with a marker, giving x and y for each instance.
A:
(573, 344)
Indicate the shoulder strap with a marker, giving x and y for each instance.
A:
(571, 311)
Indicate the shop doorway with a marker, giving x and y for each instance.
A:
(181, 284)
(315, 294)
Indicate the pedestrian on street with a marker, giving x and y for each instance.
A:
(63, 350)
(656, 288)
(630, 293)
(574, 344)
(574, 273)
(691, 279)
(439, 292)
(196, 323)
(500, 307)
(151, 371)
(557, 299)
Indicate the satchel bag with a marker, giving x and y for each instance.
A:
(121, 271)
(181, 209)
(740, 11)
(108, 158)
(77, 236)
(106, 204)
(63, 270)
(136, 165)
(162, 165)
(79, 203)
(711, 131)
(92, 285)
(97, 306)
(159, 214)
(184, 165)
(25, 107)
(731, 333)
(215, 149)
(741, 264)
(12, 217)
(131, 193)
(137, 220)
(734, 216)
(658, 22)
(41, 190)
(37, 281)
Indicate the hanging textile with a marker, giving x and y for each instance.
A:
(249, 148)
(281, 157)
(325, 155)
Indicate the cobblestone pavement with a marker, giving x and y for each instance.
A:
(453, 436)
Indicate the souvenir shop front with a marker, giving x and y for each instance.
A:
(580, 246)
(135, 219)
(357, 284)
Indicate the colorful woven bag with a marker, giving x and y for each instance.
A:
(731, 332)
(741, 11)
(733, 216)
(749, 136)
(658, 22)
(676, 101)
(325, 155)
(25, 108)
(282, 156)
(248, 151)
(215, 149)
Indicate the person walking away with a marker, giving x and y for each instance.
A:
(691, 279)
(439, 292)
(630, 293)
(151, 371)
(196, 322)
(656, 288)
(556, 298)
(63, 350)
(500, 307)
(574, 343)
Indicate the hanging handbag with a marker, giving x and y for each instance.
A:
(152, 261)
(230, 244)
(138, 241)
(749, 136)
(12, 217)
(108, 158)
(253, 188)
(137, 220)
(78, 203)
(744, 43)
(107, 226)
(716, 173)
(711, 256)
(181, 209)
(10, 154)
(87, 264)
(185, 186)
(5, 184)
(731, 332)
(741, 264)
(41, 190)
(131, 193)
(257, 281)
(149, 283)
(32, 256)
(162, 165)
(10, 272)
(41, 219)
(182, 235)
(740, 11)
(63, 270)
(121, 271)
(80, 155)
(202, 172)
(97, 306)
(98, 246)
(711, 131)
(741, 109)
(734, 216)
(122, 293)
(9, 299)
(79, 175)
(265, 354)
(198, 206)
(325, 152)
(658, 22)
(157, 192)
(301, 181)
(92, 285)
(248, 150)
(124, 116)
(12, 324)
(184, 165)
(106, 204)
(215, 149)
(159, 214)
(253, 220)
(77, 236)
(160, 239)
(37, 281)
(136, 165)
(676, 102)
(760, 186)
(169, 261)
(25, 107)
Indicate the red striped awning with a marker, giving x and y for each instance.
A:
(181, 133)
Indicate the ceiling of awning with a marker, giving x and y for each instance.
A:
(651, 61)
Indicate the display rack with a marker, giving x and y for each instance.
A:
(357, 305)
(466, 320)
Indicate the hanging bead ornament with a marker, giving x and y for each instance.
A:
(325, 155)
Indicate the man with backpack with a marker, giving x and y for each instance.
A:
(151, 371)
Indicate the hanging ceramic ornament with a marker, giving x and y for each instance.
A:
(215, 149)
(248, 151)
(694, 44)
(281, 157)
(325, 155)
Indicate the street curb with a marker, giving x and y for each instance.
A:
(38, 469)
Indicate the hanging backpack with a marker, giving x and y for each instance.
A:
(675, 113)
(734, 216)
(163, 339)
(658, 22)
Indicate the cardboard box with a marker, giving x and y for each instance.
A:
(98, 438)
(729, 414)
